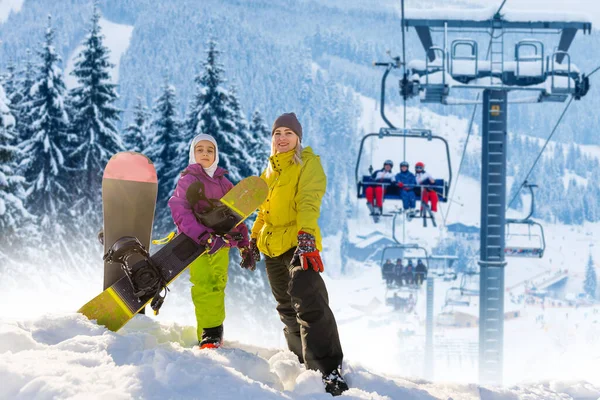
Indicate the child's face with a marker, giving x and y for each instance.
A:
(204, 151)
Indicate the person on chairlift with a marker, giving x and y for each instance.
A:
(428, 195)
(387, 272)
(375, 192)
(409, 273)
(420, 272)
(398, 271)
(406, 181)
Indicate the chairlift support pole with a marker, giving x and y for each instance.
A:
(494, 145)
(492, 237)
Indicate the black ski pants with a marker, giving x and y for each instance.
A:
(303, 305)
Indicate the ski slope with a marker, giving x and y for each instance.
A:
(67, 356)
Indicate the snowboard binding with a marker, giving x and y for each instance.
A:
(144, 276)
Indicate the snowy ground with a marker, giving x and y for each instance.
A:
(67, 356)
(117, 38)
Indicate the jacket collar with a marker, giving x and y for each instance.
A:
(280, 161)
(197, 169)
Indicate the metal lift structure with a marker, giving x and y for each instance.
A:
(534, 75)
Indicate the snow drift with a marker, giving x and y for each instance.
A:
(67, 356)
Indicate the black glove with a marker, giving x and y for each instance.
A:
(250, 256)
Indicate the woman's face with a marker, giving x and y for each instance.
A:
(204, 151)
(285, 139)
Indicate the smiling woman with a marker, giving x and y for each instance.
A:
(287, 232)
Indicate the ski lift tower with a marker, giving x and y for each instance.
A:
(530, 75)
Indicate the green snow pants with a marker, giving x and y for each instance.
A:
(208, 274)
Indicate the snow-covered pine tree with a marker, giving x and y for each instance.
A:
(13, 215)
(44, 152)
(24, 100)
(135, 136)
(94, 116)
(7, 120)
(210, 113)
(241, 130)
(590, 284)
(166, 149)
(261, 141)
(9, 81)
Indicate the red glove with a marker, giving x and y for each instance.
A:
(400, 184)
(306, 253)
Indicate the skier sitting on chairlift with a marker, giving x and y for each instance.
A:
(406, 181)
(375, 192)
(420, 272)
(387, 272)
(408, 273)
(398, 269)
(427, 195)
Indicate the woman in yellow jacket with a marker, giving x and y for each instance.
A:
(286, 231)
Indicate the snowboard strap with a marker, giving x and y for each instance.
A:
(144, 276)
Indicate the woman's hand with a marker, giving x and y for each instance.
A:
(306, 253)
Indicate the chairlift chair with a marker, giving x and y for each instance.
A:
(454, 297)
(441, 186)
(537, 237)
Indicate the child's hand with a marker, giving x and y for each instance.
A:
(250, 256)
(212, 242)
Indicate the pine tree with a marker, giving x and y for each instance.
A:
(9, 81)
(94, 115)
(261, 141)
(135, 136)
(7, 120)
(24, 100)
(166, 149)
(13, 215)
(241, 130)
(44, 152)
(210, 113)
(591, 281)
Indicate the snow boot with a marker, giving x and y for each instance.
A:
(334, 383)
(371, 208)
(212, 338)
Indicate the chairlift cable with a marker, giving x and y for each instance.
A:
(501, 6)
(541, 152)
(594, 71)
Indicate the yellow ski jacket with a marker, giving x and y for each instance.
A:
(293, 203)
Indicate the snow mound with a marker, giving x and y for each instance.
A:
(67, 356)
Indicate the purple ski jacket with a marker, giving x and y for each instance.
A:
(215, 188)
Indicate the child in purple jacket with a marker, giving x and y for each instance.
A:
(208, 273)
